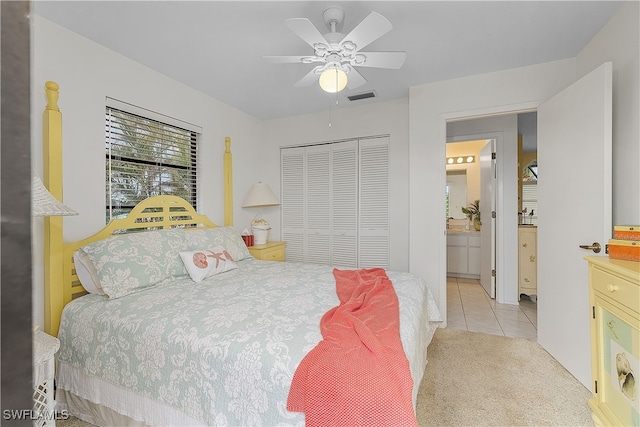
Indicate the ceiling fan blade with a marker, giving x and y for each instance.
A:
(372, 27)
(354, 78)
(308, 79)
(284, 59)
(393, 60)
(306, 31)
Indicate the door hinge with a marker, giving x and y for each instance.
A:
(593, 310)
(493, 214)
(493, 156)
(493, 273)
(596, 386)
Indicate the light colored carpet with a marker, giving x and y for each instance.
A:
(476, 379)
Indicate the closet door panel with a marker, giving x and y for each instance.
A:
(292, 163)
(318, 208)
(335, 203)
(374, 203)
(344, 204)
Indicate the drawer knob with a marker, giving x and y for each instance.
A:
(612, 288)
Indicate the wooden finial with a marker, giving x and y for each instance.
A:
(227, 144)
(52, 90)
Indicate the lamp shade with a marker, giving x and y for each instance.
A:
(260, 195)
(333, 80)
(43, 203)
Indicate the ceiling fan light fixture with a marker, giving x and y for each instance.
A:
(333, 80)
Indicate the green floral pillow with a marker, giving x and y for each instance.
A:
(129, 263)
(225, 237)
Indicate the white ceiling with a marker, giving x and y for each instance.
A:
(217, 47)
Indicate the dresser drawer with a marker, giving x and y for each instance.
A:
(273, 254)
(271, 251)
(618, 289)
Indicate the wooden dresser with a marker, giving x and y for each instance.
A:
(614, 296)
(270, 251)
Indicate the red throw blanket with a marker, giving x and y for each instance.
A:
(358, 375)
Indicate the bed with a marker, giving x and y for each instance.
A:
(148, 339)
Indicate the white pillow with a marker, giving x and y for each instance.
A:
(205, 263)
(87, 273)
(224, 237)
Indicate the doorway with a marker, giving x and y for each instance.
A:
(470, 201)
(505, 313)
(504, 129)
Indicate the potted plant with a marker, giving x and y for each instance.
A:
(473, 213)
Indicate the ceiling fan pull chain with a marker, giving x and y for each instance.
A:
(337, 85)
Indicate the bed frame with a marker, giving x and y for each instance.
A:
(61, 283)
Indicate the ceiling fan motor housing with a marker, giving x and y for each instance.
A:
(333, 17)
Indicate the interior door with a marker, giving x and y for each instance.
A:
(488, 179)
(574, 203)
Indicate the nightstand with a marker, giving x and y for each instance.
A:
(270, 251)
(44, 349)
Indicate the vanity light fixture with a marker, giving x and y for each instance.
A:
(460, 160)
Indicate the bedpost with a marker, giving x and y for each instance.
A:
(228, 184)
(52, 161)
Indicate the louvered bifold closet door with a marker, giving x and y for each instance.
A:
(374, 203)
(344, 204)
(293, 202)
(318, 205)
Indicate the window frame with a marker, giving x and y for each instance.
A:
(157, 164)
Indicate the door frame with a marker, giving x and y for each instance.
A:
(498, 136)
(504, 247)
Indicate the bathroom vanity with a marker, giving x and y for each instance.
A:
(463, 253)
(528, 261)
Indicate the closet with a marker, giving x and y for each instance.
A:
(335, 203)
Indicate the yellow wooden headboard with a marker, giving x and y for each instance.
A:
(61, 282)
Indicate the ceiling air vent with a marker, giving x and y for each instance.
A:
(360, 96)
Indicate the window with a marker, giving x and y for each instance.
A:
(146, 157)
(530, 194)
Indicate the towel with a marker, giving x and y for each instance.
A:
(358, 375)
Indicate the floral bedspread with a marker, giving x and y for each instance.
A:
(224, 350)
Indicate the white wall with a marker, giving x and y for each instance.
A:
(430, 107)
(87, 73)
(619, 42)
(371, 119)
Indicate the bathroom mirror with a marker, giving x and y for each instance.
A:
(456, 193)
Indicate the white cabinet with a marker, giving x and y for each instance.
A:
(614, 294)
(527, 261)
(44, 349)
(463, 254)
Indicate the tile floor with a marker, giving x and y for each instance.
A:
(470, 308)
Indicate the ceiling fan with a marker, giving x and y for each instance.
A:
(337, 54)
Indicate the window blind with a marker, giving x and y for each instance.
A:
(530, 202)
(144, 158)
